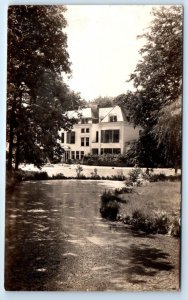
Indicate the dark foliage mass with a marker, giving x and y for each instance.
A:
(109, 205)
(37, 97)
(155, 104)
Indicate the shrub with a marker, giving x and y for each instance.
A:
(158, 223)
(34, 175)
(106, 160)
(147, 174)
(135, 177)
(123, 190)
(134, 174)
(94, 174)
(41, 176)
(158, 177)
(109, 206)
(58, 176)
(161, 222)
(79, 169)
(175, 228)
(163, 177)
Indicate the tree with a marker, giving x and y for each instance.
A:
(36, 94)
(167, 131)
(157, 79)
(103, 101)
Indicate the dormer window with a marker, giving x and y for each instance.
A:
(112, 118)
(84, 121)
(128, 118)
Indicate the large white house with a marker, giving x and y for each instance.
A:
(98, 131)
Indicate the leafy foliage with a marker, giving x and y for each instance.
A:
(156, 102)
(103, 101)
(37, 96)
(109, 205)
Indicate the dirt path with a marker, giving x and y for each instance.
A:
(56, 240)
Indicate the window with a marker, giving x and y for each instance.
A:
(70, 137)
(82, 141)
(82, 130)
(112, 118)
(97, 136)
(87, 130)
(62, 137)
(84, 121)
(110, 136)
(82, 154)
(110, 151)
(77, 155)
(73, 154)
(116, 150)
(87, 141)
(115, 136)
(95, 151)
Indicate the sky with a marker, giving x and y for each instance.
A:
(103, 46)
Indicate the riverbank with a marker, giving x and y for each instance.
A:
(70, 170)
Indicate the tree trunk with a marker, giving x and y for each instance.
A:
(11, 137)
(17, 155)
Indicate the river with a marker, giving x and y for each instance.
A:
(56, 240)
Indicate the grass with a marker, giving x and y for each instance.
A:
(156, 196)
(154, 208)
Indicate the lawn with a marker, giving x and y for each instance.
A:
(155, 196)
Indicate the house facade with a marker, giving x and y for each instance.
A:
(98, 131)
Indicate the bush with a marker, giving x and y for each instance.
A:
(163, 177)
(161, 222)
(79, 170)
(41, 176)
(175, 228)
(94, 174)
(113, 160)
(34, 175)
(109, 206)
(123, 190)
(69, 161)
(58, 176)
(158, 177)
(158, 223)
(134, 174)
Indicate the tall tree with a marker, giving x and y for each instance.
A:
(103, 101)
(36, 94)
(157, 78)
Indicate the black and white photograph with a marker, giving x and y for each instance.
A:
(94, 148)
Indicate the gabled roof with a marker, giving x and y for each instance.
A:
(84, 113)
(97, 113)
(103, 112)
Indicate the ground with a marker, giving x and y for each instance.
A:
(57, 240)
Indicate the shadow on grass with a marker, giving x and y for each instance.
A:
(146, 261)
(118, 226)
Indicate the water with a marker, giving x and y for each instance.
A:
(57, 240)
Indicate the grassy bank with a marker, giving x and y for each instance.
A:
(154, 208)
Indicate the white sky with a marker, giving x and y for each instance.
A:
(103, 47)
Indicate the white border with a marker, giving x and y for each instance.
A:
(183, 294)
